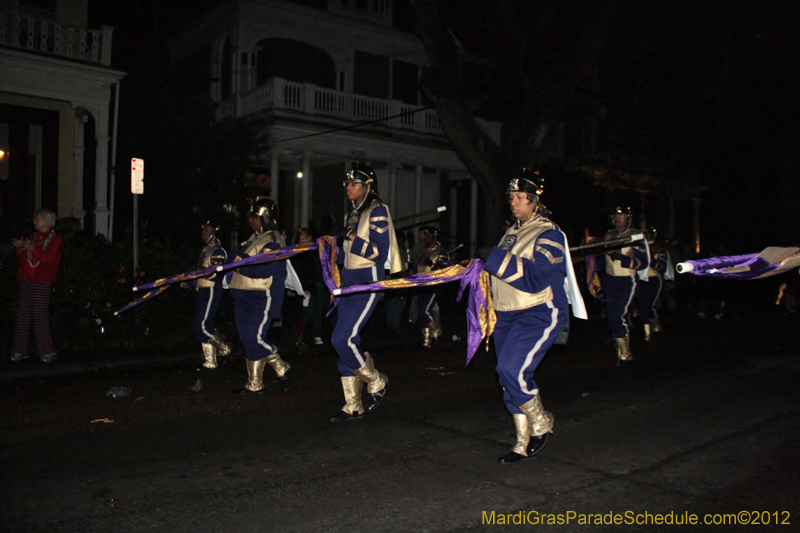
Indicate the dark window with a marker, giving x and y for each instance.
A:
(371, 75)
(404, 82)
(295, 61)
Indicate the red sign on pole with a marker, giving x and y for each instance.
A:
(137, 176)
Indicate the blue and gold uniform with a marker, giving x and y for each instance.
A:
(368, 251)
(209, 298)
(648, 290)
(258, 292)
(427, 298)
(528, 288)
(619, 285)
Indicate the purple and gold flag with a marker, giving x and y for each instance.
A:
(148, 296)
(481, 317)
(328, 259)
(263, 257)
(768, 262)
(326, 245)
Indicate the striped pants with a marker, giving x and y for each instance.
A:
(34, 302)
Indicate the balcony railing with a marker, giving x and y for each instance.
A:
(280, 94)
(47, 37)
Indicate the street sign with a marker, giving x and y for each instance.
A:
(137, 176)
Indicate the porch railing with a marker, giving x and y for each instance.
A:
(47, 37)
(311, 99)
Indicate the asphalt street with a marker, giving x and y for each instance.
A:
(706, 425)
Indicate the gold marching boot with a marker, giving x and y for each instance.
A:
(209, 355)
(282, 369)
(353, 408)
(541, 424)
(223, 347)
(520, 449)
(375, 381)
(427, 337)
(647, 332)
(436, 325)
(541, 421)
(255, 374)
(623, 347)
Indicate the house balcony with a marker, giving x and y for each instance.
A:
(280, 94)
(47, 37)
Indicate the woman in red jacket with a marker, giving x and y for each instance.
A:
(39, 259)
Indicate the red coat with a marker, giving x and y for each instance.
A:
(41, 264)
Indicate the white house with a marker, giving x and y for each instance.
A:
(332, 82)
(56, 93)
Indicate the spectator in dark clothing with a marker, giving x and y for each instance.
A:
(316, 297)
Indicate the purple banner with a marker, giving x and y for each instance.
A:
(769, 262)
(480, 313)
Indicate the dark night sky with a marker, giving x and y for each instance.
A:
(716, 79)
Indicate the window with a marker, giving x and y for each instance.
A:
(371, 75)
(404, 82)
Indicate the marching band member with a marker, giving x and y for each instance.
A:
(528, 287)
(369, 248)
(431, 253)
(648, 290)
(619, 284)
(209, 298)
(258, 292)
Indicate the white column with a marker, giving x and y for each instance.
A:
(101, 173)
(247, 70)
(473, 221)
(77, 198)
(306, 188)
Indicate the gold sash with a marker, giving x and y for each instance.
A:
(205, 262)
(256, 245)
(614, 268)
(521, 243)
(353, 258)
